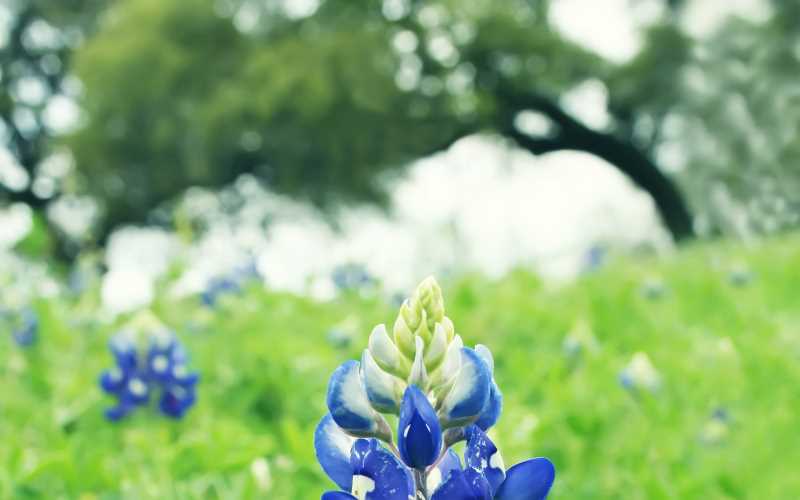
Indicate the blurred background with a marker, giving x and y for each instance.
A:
(600, 186)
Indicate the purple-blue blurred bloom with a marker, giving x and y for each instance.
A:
(26, 328)
(158, 372)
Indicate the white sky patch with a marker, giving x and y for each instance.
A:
(16, 221)
(296, 9)
(589, 103)
(702, 18)
(74, 215)
(126, 290)
(61, 114)
(146, 251)
(605, 26)
(12, 175)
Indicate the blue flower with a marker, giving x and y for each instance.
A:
(361, 467)
(26, 329)
(218, 287)
(484, 476)
(351, 276)
(159, 372)
(442, 393)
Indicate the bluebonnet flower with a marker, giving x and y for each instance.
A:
(717, 428)
(653, 288)
(442, 393)
(595, 258)
(351, 276)
(740, 275)
(580, 340)
(640, 374)
(218, 287)
(25, 328)
(341, 335)
(141, 375)
(228, 284)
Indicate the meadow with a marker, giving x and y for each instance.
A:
(720, 323)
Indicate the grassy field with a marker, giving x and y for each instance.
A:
(720, 323)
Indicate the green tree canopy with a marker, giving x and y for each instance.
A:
(323, 106)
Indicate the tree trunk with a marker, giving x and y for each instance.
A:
(571, 134)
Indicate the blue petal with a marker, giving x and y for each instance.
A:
(470, 392)
(348, 402)
(447, 464)
(528, 480)
(25, 335)
(136, 390)
(419, 434)
(463, 485)
(124, 354)
(391, 480)
(482, 455)
(337, 495)
(332, 446)
(113, 381)
(182, 377)
(119, 412)
(491, 411)
(176, 401)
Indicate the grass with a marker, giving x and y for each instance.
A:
(265, 361)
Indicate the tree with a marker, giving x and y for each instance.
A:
(324, 105)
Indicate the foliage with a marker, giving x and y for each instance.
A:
(324, 106)
(723, 347)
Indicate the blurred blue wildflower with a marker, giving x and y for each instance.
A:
(653, 288)
(25, 327)
(442, 393)
(342, 334)
(22, 323)
(595, 258)
(231, 283)
(640, 374)
(717, 427)
(352, 277)
(218, 287)
(580, 340)
(339, 337)
(141, 375)
(740, 275)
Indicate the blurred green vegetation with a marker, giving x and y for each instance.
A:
(721, 324)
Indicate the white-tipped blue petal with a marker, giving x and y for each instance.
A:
(419, 375)
(348, 401)
(482, 455)
(486, 356)
(528, 480)
(438, 474)
(332, 446)
(383, 390)
(470, 392)
(386, 353)
(378, 474)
